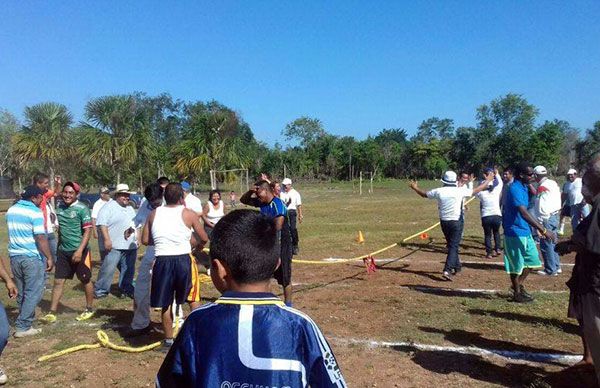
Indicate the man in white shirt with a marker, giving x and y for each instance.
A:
(293, 202)
(103, 200)
(191, 201)
(547, 210)
(574, 204)
(450, 200)
(491, 215)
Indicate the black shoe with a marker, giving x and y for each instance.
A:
(295, 250)
(525, 293)
(520, 298)
(165, 347)
(137, 332)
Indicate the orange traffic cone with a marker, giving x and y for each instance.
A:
(424, 236)
(360, 238)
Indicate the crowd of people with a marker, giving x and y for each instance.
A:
(531, 207)
(50, 230)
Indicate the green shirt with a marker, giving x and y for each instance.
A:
(72, 220)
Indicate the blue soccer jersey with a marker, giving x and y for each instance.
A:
(249, 340)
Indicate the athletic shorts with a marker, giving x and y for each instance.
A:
(174, 276)
(520, 253)
(65, 268)
(283, 274)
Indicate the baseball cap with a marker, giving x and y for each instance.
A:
(74, 185)
(571, 171)
(32, 191)
(286, 181)
(186, 186)
(449, 178)
(104, 190)
(540, 170)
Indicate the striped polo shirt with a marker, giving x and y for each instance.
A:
(24, 221)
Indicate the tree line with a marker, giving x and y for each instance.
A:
(135, 138)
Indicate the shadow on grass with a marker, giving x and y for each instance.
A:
(483, 266)
(469, 338)
(567, 327)
(427, 274)
(441, 249)
(451, 293)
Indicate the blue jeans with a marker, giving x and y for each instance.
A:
(124, 259)
(29, 279)
(453, 232)
(53, 244)
(3, 328)
(578, 212)
(551, 258)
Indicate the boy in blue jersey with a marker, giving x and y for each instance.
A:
(248, 337)
(263, 197)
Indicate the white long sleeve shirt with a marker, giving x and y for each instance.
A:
(548, 199)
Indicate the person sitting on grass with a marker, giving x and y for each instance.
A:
(520, 251)
(73, 254)
(248, 337)
(584, 301)
(450, 205)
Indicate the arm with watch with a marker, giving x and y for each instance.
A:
(531, 221)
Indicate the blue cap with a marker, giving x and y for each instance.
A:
(32, 191)
(186, 186)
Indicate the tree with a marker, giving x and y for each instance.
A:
(8, 128)
(305, 130)
(46, 135)
(589, 147)
(435, 128)
(546, 143)
(116, 133)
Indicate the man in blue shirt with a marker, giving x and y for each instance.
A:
(520, 253)
(26, 240)
(262, 196)
(248, 337)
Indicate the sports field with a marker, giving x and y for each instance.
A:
(404, 302)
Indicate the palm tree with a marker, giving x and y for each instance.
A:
(46, 135)
(210, 140)
(117, 132)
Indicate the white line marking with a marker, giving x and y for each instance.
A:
(506, 354)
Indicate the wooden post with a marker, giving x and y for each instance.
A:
(360, 184)
(371, 189)
(247, 179)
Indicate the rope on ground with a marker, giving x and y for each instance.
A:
(359, 258)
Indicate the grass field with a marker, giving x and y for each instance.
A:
(404, 301)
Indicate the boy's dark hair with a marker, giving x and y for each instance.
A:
(163, 180)
(153, 191)
(173, 193)
(509, 169)
(264, 184)
(246, 241)
(40, 177)
(520, 169)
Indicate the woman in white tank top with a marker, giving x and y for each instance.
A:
(214, 210)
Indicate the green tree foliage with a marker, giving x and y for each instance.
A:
(589, 146)
(305, 130)
(8, 128)
(546, 142)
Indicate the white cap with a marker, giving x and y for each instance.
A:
(571, 171)
(540, 170)
(449, 178)
(286, 181)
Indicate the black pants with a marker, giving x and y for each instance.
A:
(491, 226)
(293, 228)
(453, 232)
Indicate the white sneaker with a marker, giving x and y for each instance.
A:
(27, 333)
(559, 270)
(544, 273)
(3, 377)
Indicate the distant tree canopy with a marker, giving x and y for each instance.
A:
(135, 138)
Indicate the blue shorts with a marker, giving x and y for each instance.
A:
(520, 253)
(174, 276)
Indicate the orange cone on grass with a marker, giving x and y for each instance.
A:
(360, 238)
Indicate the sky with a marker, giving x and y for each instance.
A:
(358, 66)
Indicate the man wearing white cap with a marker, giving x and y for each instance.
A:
(293, 202)
(115, 223)
(450, 200)
(574, 204)
(547, 210)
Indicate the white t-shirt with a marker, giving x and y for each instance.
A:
(547, 200)
(450, 201)
(291, 199)
(193, 203)
(97, 206)
(573, 191)
(490, 200)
